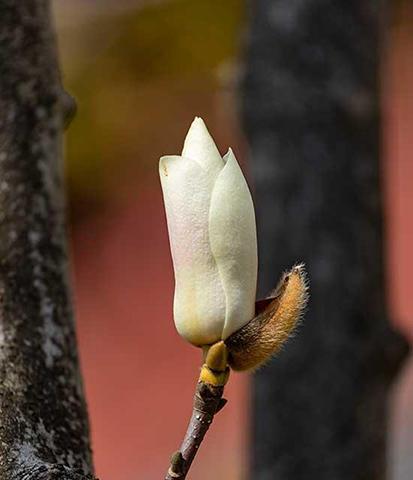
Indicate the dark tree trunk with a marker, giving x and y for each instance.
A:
(43, 419)
(312, 119)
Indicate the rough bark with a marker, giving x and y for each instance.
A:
(312, 119)
(43, 419)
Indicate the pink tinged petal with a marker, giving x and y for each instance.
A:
(199, 303)
(233, 238)
(200, 146)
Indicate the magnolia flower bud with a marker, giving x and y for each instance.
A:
(213, 240)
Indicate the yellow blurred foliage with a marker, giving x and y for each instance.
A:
(139, 76)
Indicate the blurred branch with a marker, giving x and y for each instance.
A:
(43, 422)
(312, 117)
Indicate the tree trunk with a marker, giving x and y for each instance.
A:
(311, 113)
(43, 419)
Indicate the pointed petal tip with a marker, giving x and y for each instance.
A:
(200, 146)
(197, 129)
(228, 155)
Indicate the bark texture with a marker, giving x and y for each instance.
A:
(43, 419)
(311, 113)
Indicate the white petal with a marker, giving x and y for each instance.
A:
(200, 146)
(199, 303)
(233, 238)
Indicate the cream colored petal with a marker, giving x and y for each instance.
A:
(233, 239)
(199, 303)
(200, 146)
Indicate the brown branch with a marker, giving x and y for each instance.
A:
(208, 402)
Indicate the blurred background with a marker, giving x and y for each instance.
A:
(140, 71)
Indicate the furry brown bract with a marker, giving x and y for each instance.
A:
(261, 338)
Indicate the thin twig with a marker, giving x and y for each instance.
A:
(207, 402)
